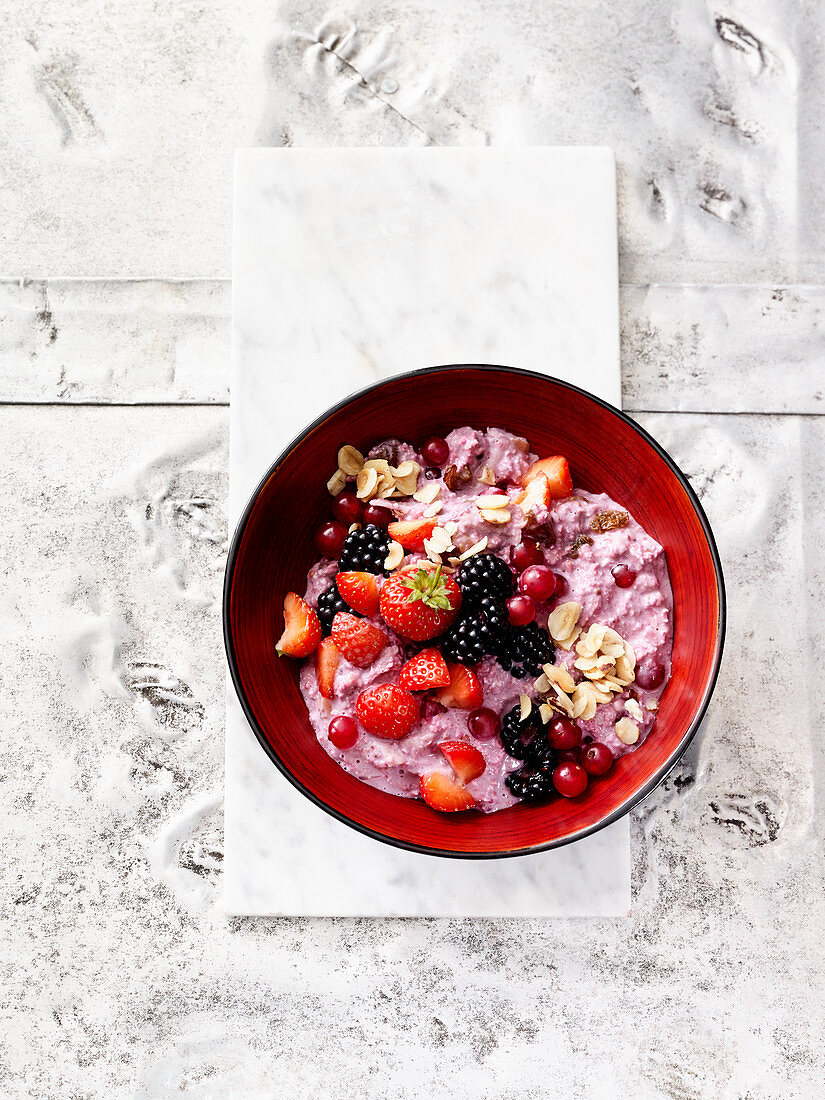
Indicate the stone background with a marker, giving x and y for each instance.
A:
(120, 975)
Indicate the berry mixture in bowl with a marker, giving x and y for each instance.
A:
(477, 631)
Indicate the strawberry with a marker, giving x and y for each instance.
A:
(425, 670)
(463, 691)
(535, 495)
(411, 533)
(302, 628)
(359, 641)
(360, 590)
(327, 659)
(443, 793)
(387, 711)
(467, 762)
(420, 603)
(557, 473)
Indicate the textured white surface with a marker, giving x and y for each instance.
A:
(355, 265)
(120, 975)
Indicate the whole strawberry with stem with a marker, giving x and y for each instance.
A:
(420, 603)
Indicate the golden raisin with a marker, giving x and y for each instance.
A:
(608, 521)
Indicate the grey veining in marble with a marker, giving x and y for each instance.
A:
(119, 975)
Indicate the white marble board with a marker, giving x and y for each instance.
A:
(351, 265)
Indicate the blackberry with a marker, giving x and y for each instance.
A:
(525, 739)
(485, 575)
(330, 602)
(525, 650)
(365, 550)
(479, 631)
(532, 782)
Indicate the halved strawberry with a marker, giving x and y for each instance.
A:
(327, 659)
(557, 472)
(535, 495)
(425, 670)
(421, 602)
(463, 691)
(302, 628)
(410, 533)
(359, 641)
(387, 710)
(360, 590)
(467, 762)
(443, 793)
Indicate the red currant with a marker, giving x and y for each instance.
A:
(329, 538)
(378, 516)
(435, 451)
(561, 585)
(623, 575)
(521, 610)
(569, 754)
(570, 779)
(347, 507)
(651, 675)
(483, 724)
(538, 582)
(563, 734)
(597, 759)
(343, 732)
(527, 553)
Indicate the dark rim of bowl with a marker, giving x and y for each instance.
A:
(625, 806)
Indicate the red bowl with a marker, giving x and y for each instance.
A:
(272, 550)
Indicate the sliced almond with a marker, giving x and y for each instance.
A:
(565, 702)
(499, 516)
(394, 556)
(432, 509)
(350, 460)
(492, 501)
(427, 493)
(613, 649)
(563, 620)
(556, 674)
(451, 527)
(476, 548)
(634, 710)
(337, 482)
(386, 491)
(487, 476)
(542, 684)
(627, 731)
(366, 483)
(624, 669)
(652, 704)
(570, 640)
(353, 527)
(525, 706)
(629, 654)
(546, 712)
(584, 702)
(381, 465)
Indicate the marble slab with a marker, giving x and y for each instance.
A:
(350, 266)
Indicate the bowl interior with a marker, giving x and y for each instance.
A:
(273, 550)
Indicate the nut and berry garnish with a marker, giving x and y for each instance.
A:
(476, 630)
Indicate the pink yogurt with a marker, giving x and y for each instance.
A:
(642, 615)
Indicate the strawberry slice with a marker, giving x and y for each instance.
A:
(443, 793)
(556, 471)
(425, 670)
(467, 762)
(535, 495)
(359, 641)
(327, 659)
(387, 711)
(463, 691)
(302, 628)
(360, 590)
(410, 533)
